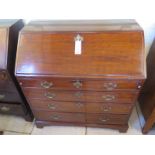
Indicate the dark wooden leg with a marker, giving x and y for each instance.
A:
(29, 118)
(39, 125)
(124, 129)
(148, 125)
(1, 132)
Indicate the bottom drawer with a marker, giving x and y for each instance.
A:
(106, 119)
(11, 108)
(59, 117)
(80, 117)
(7, 97)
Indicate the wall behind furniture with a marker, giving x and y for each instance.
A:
(141, 10)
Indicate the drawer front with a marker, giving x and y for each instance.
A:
(111, 97)
(9, 97)
(59, 117)
(90, 107)
(106, 119)
(54, 95)
(57, 106)
(108, 108)
(11, 108)
(79, 84)
(7, 86)
(91, 96)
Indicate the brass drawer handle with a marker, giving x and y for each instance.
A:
(106, 108)
(77, 84)
(78, 94)
(51, 106)
(5, 109)
(2, 96)
(50, 95)
(103, 120)
(110, 85)
(46, 84)
(108, 97)
(55, 117)
(79, 104)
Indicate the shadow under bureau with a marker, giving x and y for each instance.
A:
(12, 100)
(85, 73)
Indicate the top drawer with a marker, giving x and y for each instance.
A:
(80, 84)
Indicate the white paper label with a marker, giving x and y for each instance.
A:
(78, 47)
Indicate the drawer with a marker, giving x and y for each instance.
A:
(89, 96)
(9, 97)
(11, 108)
(7, 86)
(106, 119)
(33, 93)
(59, 117)
(79, 84)
(111, 97)
(114, 108)
(57, 106)
(90, 107)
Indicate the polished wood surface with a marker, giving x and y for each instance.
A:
(100, 85)
(11, 96)
(115, 108)
(84, 84)
(121, 97)
(81, 118)
(58, 106)
(147, 95)
(106, 118)
(60, 117)
(82, 107)
(116, 49)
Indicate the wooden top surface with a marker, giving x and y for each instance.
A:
(110, 54)
(82, 25)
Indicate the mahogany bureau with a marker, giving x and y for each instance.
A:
(85, 73)
(147, 94)
(12, 100)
